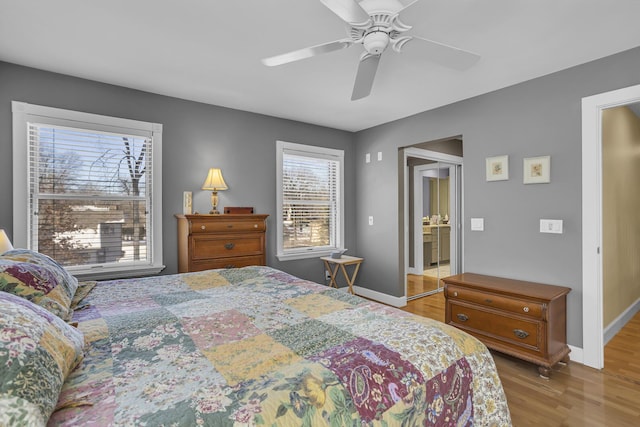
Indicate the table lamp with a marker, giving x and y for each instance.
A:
(214, 183)
(5, 243)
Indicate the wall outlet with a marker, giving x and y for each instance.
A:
(327, 275)
(367, 158)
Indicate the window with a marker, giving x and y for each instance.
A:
(89, 191)
(310, 200)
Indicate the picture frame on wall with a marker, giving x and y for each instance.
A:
(187, 202)
(497, 168)
(537, 170)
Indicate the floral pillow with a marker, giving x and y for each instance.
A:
(37, 352)
(39, 279)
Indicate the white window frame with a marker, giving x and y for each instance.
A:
(23, 113)
(315, 152)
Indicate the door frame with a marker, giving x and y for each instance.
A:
(438, 157)
(592, 291)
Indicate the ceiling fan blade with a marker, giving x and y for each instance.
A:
(449, 56)
(365, 76)
(307, 52)
(349, 11)
(406, 3)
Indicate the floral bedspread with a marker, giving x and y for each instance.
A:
(257, 346)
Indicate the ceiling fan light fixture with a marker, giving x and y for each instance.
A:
(376, 42)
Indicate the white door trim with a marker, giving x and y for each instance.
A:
(592, 301)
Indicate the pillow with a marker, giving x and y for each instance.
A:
(39, 279)
(83, 290)
(37, 352)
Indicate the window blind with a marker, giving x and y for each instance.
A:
(310, 195)
(90, 195)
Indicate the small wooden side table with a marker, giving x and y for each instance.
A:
(341, 263)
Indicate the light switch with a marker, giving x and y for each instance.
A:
(551, 226)
(379, 155)
(367, 158)
(371, 220)
(477, 224)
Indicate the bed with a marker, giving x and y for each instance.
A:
(257, 346)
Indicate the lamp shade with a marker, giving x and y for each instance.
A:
(5, 243)
(214, 181)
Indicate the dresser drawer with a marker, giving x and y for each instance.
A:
(521, 332)
(204, 225)
(513, 305)
(523, 319)
(221, 241)
(235, 262)
(217, 246)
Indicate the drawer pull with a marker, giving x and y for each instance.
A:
(229, 266)
(229, 246)
(230, 226)
(202, 227)
(455, 294)
(462, 317)
(488, 301)
(520, 333)
(525, 309)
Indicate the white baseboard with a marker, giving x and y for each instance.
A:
(380, 297)
(614, 327)
(577, 354)
(413, 270)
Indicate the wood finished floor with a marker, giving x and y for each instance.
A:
(419, 284)
(575, 395)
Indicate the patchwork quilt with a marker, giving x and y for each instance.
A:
(258, 347)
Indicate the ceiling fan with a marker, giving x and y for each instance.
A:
(376, 24)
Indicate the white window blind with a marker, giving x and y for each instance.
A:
(310, 200)
(91, 193)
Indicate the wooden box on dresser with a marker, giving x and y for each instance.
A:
(220, 241)
(523, 319)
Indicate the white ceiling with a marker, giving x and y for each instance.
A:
(210, 50)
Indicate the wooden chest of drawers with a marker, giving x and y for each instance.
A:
(220, 241)
(523, 319)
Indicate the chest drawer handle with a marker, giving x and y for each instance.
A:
(202, 227)
(462, 317)
(520, 333)
(488, 301)
(525, 309)
(229, 246)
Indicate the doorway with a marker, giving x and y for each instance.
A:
(592, 218)
(433, 211)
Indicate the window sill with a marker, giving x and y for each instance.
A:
(107, 273)
(304, 255)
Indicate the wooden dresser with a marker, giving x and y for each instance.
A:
(220, 241)
(523, 319)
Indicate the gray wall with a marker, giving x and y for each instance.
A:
(195, 137)
(538, 117)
